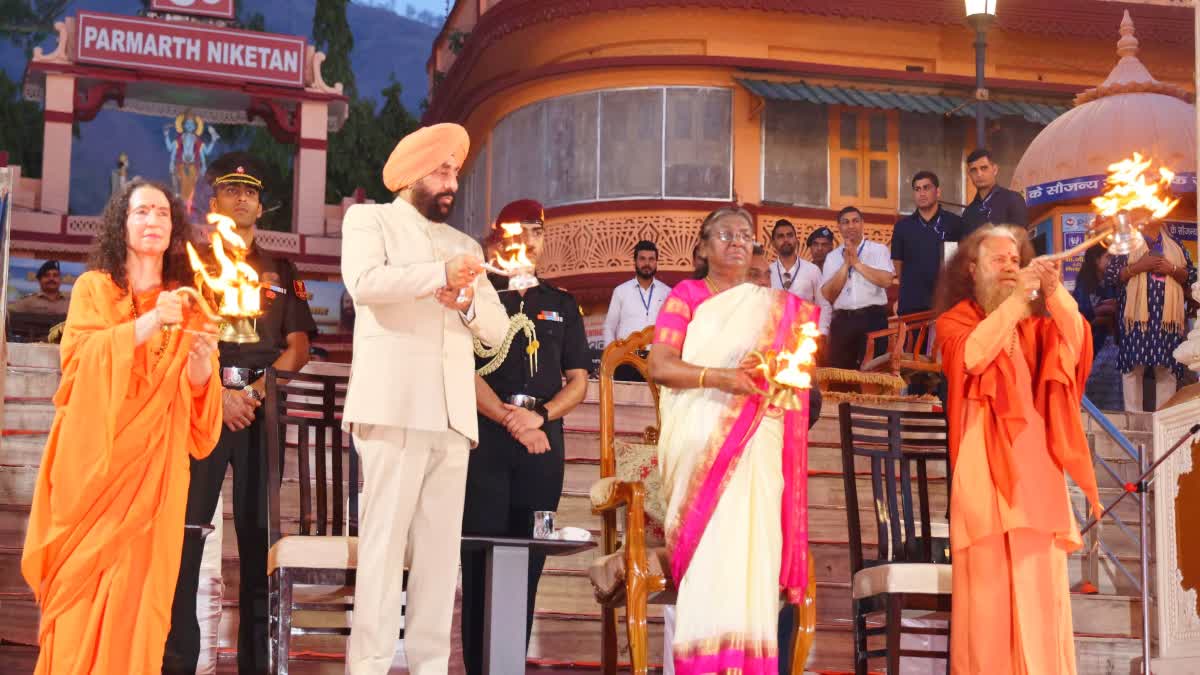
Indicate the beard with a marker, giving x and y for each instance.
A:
(787, 250)
(646, 272)
(990, 293)
(430, 206)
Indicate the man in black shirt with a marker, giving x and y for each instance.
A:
(518, 467)
(284, 331)
(917, 244)
(993, 203)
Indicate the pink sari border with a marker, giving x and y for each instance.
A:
(727, 661)
(794, 518)
(695, 517)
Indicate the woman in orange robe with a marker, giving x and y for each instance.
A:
(106, 525)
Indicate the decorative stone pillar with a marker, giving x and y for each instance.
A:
(308, 206)
(56, 152)
(1176, 548)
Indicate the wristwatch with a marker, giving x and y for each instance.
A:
(541, 410)
(252, 393)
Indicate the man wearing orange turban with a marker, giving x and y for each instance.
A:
(418, 300)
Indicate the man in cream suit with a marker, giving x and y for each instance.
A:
(418, 298)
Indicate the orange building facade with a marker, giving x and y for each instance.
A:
(631, 119)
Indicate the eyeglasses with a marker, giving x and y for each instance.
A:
(727, 237)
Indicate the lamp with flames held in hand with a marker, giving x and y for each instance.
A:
(1124, 209)
(232, 281)
(786, 373)
(511, 260)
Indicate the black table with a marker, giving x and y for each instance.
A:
(506, 593)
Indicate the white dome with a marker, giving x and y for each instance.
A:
(1130, 112)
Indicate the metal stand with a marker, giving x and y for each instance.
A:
(1142, 487)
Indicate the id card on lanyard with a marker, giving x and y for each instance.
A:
(858, 254)
(791, 276)
(646, 299)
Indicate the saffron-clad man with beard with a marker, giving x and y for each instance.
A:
(1016, 370)
(418, 300)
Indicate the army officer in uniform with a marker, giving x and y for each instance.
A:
(521, 395)
(284, 331)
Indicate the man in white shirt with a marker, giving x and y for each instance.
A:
(636, 302)
(854, 280)
(789, 271)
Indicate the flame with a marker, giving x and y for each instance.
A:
(792, 373)
(1128, 189)
(512, 256)
(236, 282)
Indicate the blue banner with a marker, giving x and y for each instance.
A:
(1074, 231)
(1092, 186)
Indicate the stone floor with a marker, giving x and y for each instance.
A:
(20, 659)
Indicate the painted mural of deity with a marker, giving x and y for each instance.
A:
(189, 153)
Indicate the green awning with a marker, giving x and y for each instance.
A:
(932, 104)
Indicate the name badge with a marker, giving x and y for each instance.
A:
(550, 316)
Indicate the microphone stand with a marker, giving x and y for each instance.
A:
(1141, 487)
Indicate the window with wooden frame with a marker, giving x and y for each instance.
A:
(864, 151)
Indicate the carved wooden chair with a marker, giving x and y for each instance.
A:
(636, 572)
(908, 350)
(910, 570)
(303, 420)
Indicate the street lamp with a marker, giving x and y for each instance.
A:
(980, 14)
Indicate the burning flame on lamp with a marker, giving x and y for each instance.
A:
(786, 373)
(790, 374)
(1129, 191)
(235, 283)
(512, 259)
(517, 259)
(1124, 208)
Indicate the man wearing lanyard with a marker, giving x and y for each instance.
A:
(917, 244)
(635, 303)
(993, 203)
(790, 272)
(284, 331)
(855, 281)
(521, 398)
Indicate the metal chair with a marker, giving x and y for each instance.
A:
(303, 421)
(910, 571)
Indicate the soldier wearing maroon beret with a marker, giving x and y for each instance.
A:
(518, 467)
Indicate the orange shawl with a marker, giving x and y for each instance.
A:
(1057, 395)
(106, 524)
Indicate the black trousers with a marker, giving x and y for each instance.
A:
(627, 373)
(246, 451)
(848, 335)
(505, 485)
